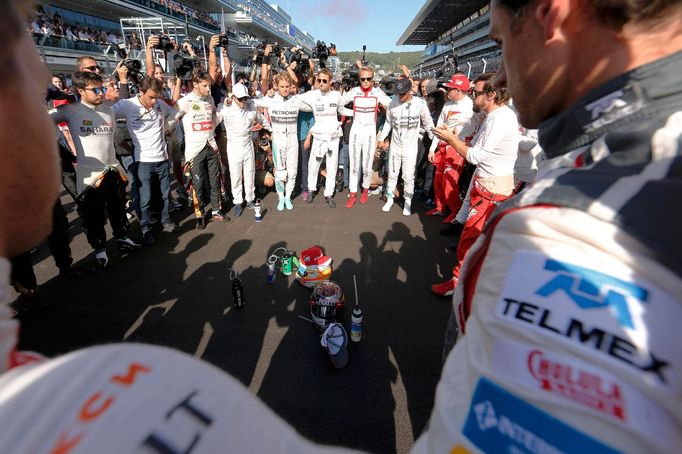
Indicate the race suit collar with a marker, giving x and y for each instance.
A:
(618, 101)
(366, 92)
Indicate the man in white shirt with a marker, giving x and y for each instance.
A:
(494, 151)
(456, 115)
(149, 120)
(198, 113)
(238, 115)
(405, 116)
(100, 180)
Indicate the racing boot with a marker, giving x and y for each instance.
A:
(352, 198)
(364, 195)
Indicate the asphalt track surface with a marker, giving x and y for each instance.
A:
(177, 293)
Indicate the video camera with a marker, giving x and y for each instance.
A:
(351, 77)
(274, 56)
(301, 58)
(134, 66)
(165, 43)
(322, 52)
(443, 76)
(387, 85)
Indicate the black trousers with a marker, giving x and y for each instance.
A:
(98, 204)
(205, 167)
(58, 241)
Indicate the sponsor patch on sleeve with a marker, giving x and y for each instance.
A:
(603, 312)
(498, 421)
(576, 383)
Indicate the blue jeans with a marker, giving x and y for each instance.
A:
(146, 173)
(131, 167)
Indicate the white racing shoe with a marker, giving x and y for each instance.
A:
(387, 206)
(407, 208)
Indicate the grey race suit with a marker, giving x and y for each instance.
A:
(363, 133)
(569, 334)
(405, 120)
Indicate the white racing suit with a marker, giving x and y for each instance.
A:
(363, 133)
(326, 133)
(405, 121)
(238, 123)
(283, 118)
(569, 304)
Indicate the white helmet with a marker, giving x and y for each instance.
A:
(326, 301)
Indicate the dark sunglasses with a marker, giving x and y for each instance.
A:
(243, 99)
(97, 90)
(476, 93)
(92, 68)
(323, 81)
(365, 79)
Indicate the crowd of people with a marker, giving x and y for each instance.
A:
(54, 26)
(561, 337)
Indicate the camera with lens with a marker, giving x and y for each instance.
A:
(223, 40)
(165, 43)
(134, 70)
(387, 85)
(184, 66)
(263, 142)
(321, 52)
(383, 154)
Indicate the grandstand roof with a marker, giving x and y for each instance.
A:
(436, 17)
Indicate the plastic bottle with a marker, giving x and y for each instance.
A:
(257, 208)
(238, 293)
(356, 324)
(271, 272)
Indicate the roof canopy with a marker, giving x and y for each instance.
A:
(436, 17)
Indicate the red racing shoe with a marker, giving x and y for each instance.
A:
(364, 195)
(351, 200)
(446, 288)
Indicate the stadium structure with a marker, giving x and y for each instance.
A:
(455, 32)
(247, 23)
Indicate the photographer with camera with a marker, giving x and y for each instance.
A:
(405, 117)
(362, 141)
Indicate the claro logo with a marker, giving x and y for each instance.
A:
(577, 385)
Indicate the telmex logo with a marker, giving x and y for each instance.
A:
(590, 289)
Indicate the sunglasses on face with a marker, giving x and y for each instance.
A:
(477, 93)
(243, 99)
(97, 90)
(323, 81)
(92, 68)
(365, 79)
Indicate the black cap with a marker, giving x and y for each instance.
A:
(402, 86)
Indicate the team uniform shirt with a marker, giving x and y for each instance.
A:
(198, 120)
(495, 149)
(365, 105)
(92, 130)
(406, 120)
(239, 121)
(457, 116)
(283, 112)
(325, 107)
(147, 127)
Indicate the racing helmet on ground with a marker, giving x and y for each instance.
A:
(317, 267)
(326, 301)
